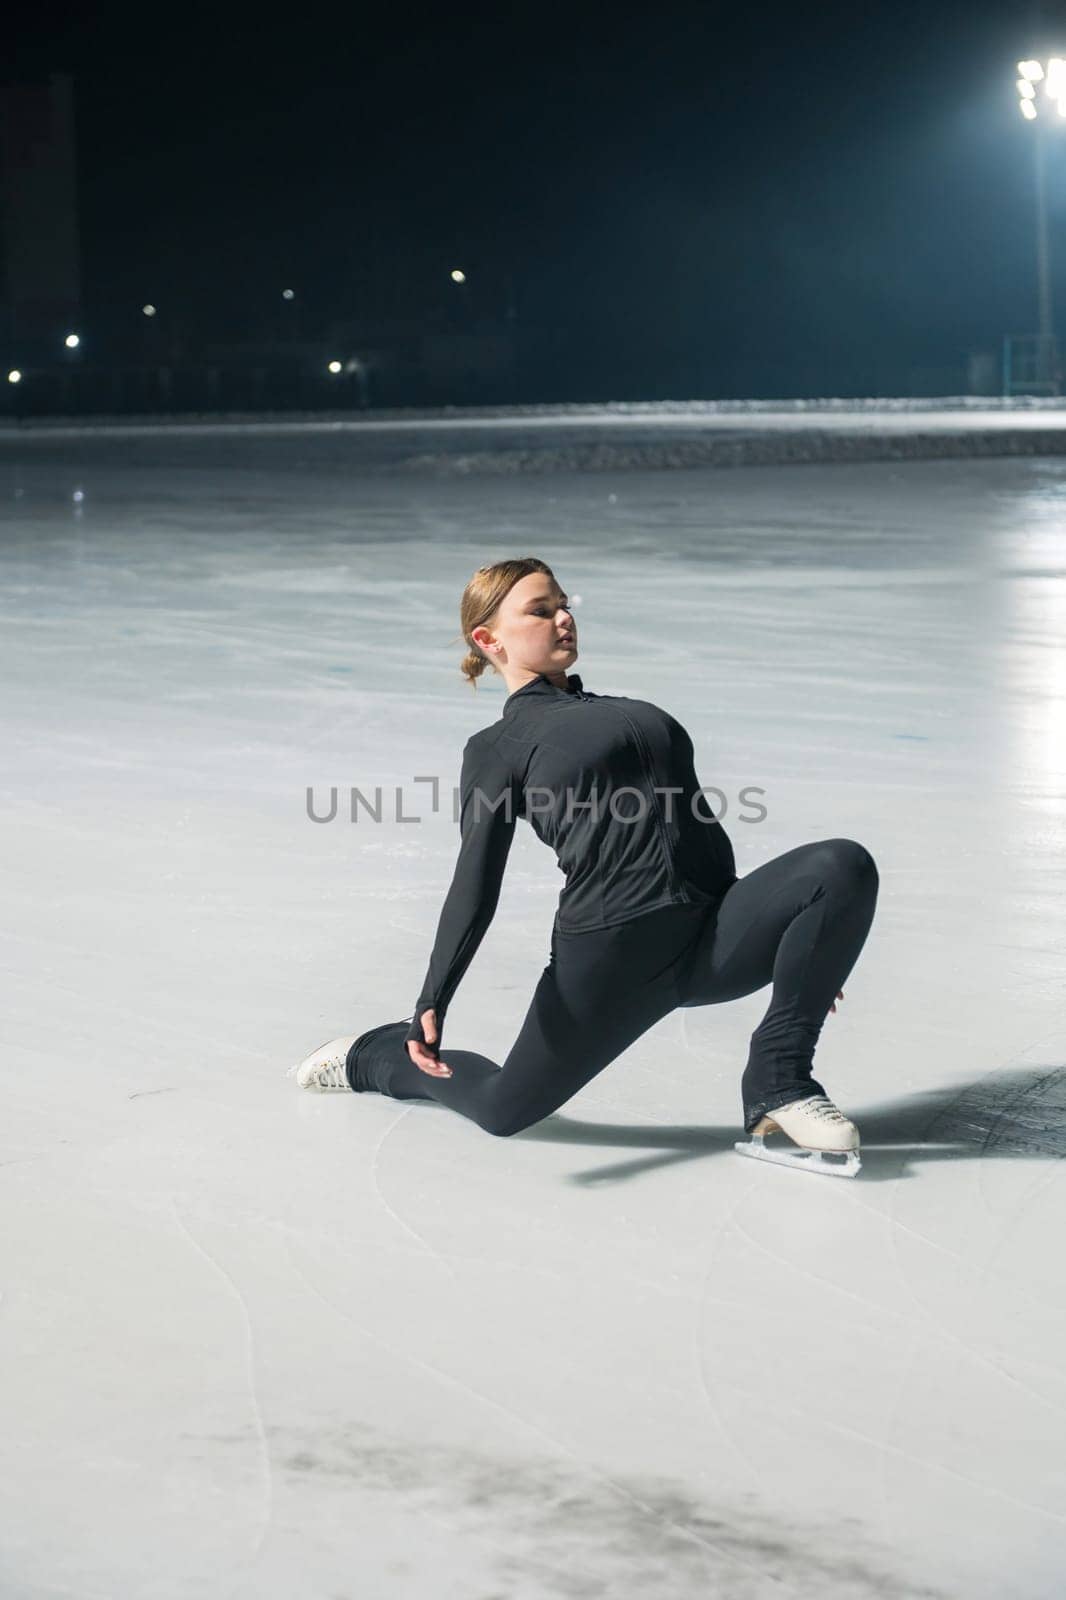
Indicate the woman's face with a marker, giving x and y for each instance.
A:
(534, 627)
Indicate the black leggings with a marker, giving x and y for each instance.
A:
(798, 922)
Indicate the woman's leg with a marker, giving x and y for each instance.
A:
(599, 992)
(798, 922)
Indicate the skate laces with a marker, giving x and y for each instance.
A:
(823, 1108)
(331, 1074)
(326, 1075)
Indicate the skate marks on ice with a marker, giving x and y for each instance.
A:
(1016, 1111)
(545, 1528)
(557, 1523)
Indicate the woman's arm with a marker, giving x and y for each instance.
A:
(489, 806)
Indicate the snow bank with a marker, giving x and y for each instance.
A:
(663, 434)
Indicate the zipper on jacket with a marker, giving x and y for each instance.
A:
(675, 885)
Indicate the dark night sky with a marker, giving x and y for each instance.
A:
(682, 189)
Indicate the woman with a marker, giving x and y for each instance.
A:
(652, 915)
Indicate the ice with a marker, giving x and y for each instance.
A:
(262, 1343)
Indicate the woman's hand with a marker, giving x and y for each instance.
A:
(840, 996)
(421, 1056)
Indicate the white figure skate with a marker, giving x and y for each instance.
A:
(823, 1139)
(324, 1068)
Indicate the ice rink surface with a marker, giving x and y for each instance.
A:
(259, 1343)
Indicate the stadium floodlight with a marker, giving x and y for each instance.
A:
(1052, 74)
(14, 376)
(1041, 109)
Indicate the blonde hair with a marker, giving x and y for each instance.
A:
(481, 600)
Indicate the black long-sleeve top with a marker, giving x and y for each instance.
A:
(576, 765)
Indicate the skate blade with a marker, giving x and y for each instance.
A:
(829, 1163)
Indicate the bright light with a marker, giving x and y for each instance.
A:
(14, 376)
(335, 366)
(72, 341)
(149, 310)
(458, 277)
(288, 294)
(1056, 79)
(1052, 74)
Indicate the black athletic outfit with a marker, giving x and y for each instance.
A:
(652, 915)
